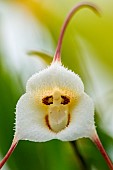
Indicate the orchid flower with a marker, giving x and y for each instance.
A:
(55, 105)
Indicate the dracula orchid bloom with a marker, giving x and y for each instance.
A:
(55, 105)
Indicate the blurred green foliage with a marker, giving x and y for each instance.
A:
(98, 35)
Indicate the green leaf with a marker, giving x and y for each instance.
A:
(45, 56)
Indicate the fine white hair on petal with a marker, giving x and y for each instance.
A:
(55, 76)
(82, 121)
(30, 122)
(32, 108)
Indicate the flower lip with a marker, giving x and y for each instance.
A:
(57, 116)
(57, 130)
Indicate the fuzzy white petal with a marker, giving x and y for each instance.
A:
(82, 121)
(55, 76)
(30, 123)
(34, 115)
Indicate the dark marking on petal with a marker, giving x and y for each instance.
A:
(68, 120)
(47, 122)
(47, 100)
(65, 100)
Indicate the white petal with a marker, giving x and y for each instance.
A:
(55, 76)
(30, 122)
(82, 121)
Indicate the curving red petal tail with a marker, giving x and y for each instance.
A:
(99, 145)
(10, 151)
(57, 56)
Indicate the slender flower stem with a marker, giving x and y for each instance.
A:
(10, 151)
(80, 5)
(81, 160)
(99, 145)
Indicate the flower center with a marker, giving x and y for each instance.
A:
(58, 116)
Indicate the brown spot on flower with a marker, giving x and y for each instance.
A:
(65, 100)
(47, 100)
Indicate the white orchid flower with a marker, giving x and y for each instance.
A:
(55, 105)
